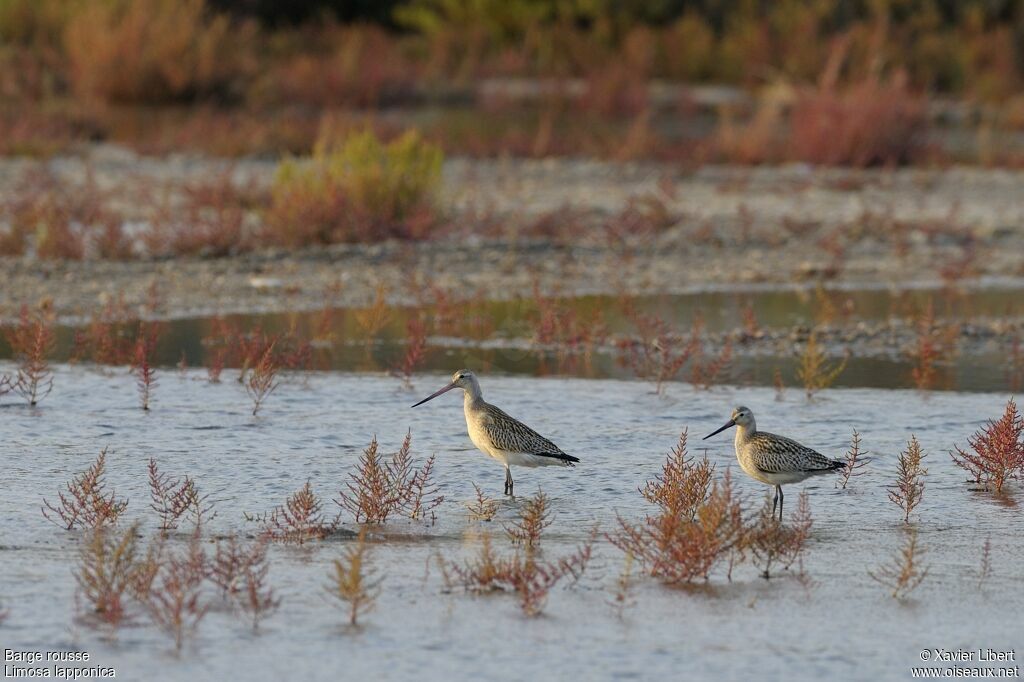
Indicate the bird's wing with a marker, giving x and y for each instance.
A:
(511, 435)
(778, 454)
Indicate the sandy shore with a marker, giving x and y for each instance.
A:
(714, 228)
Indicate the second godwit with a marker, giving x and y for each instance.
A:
(495, 433)
(771, 459)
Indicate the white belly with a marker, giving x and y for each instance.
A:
(782, 478)
(520, 459)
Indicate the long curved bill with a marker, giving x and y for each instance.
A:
(728, 425)
(434, 395)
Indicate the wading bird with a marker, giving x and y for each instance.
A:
(771, 459)
(495, 433)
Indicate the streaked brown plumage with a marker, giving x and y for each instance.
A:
(772, 459)
(500, 435)
(511, 435)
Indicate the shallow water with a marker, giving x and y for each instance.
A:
(496, 335)
(845, 626)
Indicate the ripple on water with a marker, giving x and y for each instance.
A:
(742, 629)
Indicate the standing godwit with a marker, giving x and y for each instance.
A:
(771, 459)
(495, 433)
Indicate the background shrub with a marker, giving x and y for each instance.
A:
(359, 189)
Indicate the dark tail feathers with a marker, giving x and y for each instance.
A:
(568, 459)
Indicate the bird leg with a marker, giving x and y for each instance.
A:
(778, 494)
(509, 485)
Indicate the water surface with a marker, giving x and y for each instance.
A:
(845, 626)
(499, 336)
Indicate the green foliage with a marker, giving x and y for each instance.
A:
(359, 189)
(393, 178)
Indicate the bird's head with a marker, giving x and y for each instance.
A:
(464, 379)
(741, 416)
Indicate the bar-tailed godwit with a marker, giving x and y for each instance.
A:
(495, 433)
(771, 459)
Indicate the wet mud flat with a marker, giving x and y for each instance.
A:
(569, 225)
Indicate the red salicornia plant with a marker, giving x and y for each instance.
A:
(855, 462)
(172, 498)
(997, 451)
(372, 319)
(145, 375)
(704, 372)
(87, 503)
(215, 366)
(658, 352)
(299, 519)
(683, 485)
(780, 386)
(698, 521)
(420, 494)
(933, 344)
(382, 487)
(925, 354)
(815, 370)
(247, 348)
(533, 519)
(217, 345)
(371, 495)
(415, 351)
(571, 333)
(107, 339)
(31, 343)
(482, 508)
(909, 488)
(262, 378)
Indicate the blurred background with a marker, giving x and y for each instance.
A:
(715, 184)
(840, 82)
